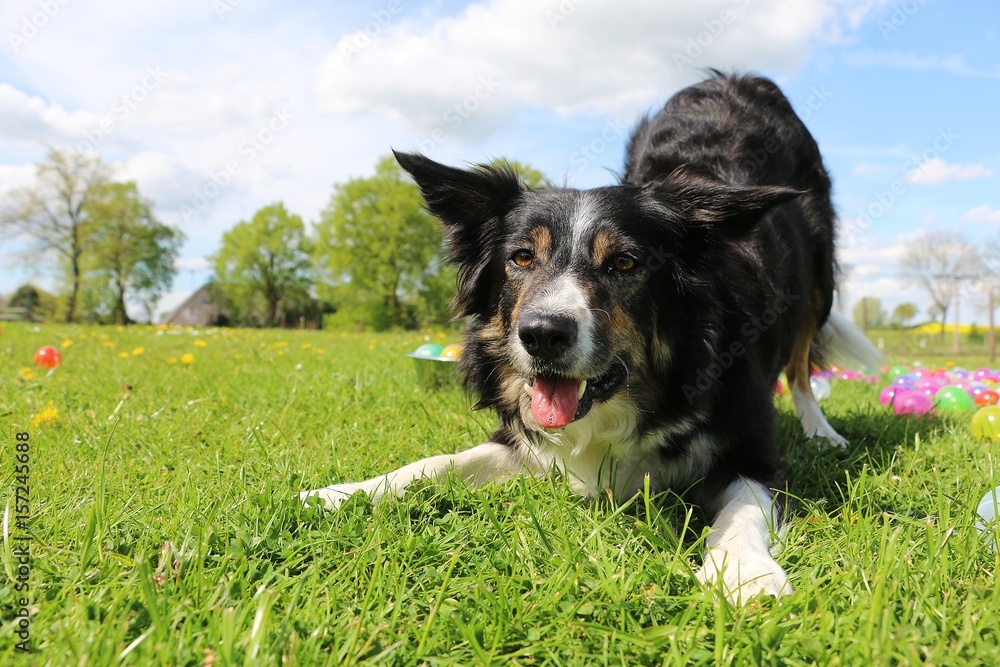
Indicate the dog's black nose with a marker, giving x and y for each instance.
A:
(547, 336)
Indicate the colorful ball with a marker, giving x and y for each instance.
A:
(953, 398)
(987, 397)
(429, 350)
(898, 370)
(453, 351)
(985, 423)
(888, 394)
(987, 510)
(48, 357)
(912, 403)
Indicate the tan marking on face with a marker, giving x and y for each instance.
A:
(541, 241)
(626, 336)
(511, 390)
(605, 245)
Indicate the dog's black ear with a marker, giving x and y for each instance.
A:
(700, 198)
(459, 197)
(471, 204)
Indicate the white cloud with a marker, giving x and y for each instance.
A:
(26, 117)
(953, 64)
(982, 213)
(937, 171)
(16, 176)
(463, 75)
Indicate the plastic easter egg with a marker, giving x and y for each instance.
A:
(429, 350)
(453, 351)
(48, 357)
(898, 370)
(820, 388)
(888, 394)
(981, 374)
(985, 423)
(905, 381)
(987, 511)
(953, 398)
(987, 397)
(912, 403)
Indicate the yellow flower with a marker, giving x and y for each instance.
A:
(67, 342)
(187, 358)
(320, 350)
(200, 343)
(306, 346)
(49, 414)
(123, 355)
(27, 374)
(108, 344)
(281, 353)
(119, 328)
(139, 350)
(172, 360)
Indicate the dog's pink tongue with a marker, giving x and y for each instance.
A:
(554, 400)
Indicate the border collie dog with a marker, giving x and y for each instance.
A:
(636, 331)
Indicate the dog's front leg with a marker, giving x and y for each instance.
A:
(739, 544)
(481, 464)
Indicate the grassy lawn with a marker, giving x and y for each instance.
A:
(163, 528)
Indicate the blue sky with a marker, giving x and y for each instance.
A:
(219, 107)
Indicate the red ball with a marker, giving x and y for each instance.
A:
(987, 397)
(48, 357)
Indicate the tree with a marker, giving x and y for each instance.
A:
(133, 252)
(528, 175)
(375, 244)
(903, 313)
(263, 261)
(868, 313)
(39, 303)
(54, 212)
(936, 262)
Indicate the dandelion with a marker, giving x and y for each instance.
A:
(320, 350)
(27, 374)
(123, 355)
(306, 346)
(187, 358)
(137, 351)
(48, 414)
(68, 342)
(108, 344)
(200, 343)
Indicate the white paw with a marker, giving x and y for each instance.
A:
(832, 437)
(333, 495)
(743, 576)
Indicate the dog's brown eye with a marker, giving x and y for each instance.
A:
(523, 258)
(623, 263)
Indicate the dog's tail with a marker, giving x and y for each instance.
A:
(839, 341)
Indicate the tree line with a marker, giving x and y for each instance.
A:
(372, 260)
(949, 270)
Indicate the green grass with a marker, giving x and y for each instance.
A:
(165, 531)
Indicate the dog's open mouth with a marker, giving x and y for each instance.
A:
(557, 400)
